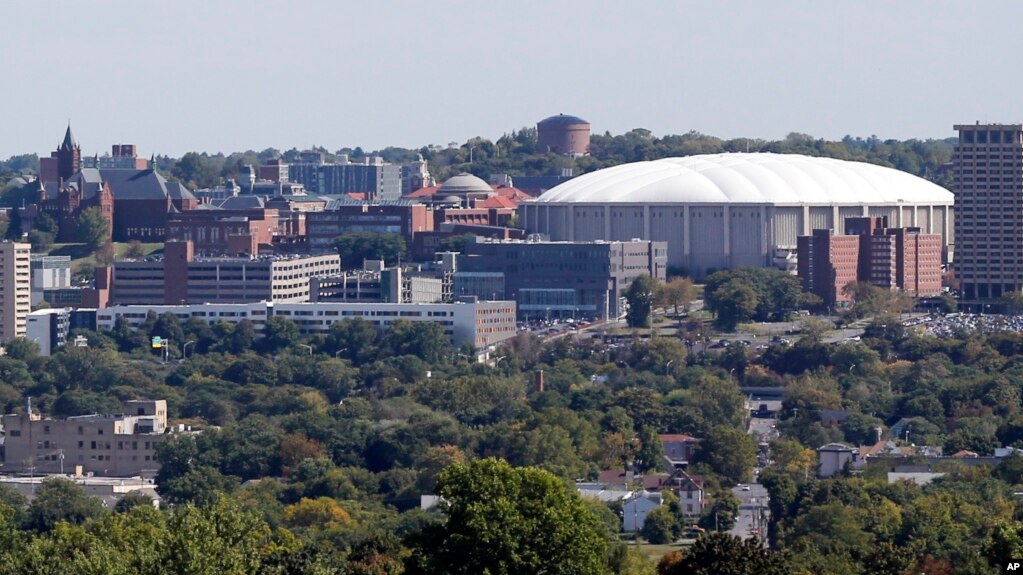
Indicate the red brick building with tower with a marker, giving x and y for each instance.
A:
(136, 201)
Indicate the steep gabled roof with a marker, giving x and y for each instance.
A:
(69, 142)
(129, 184)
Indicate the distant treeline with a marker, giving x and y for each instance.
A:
(517, 154)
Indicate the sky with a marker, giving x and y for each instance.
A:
(232, 75)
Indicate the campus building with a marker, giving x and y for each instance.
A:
(49, 273)
(558, 279)
(373, 177)
(181, 277)
(988, 167)
(469, 321)
(344, 216)
(376, 283)
(109, 445)
(51, 328)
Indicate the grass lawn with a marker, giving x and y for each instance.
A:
(80, 255)
(655, 552)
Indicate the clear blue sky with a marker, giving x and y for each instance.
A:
(229, 75)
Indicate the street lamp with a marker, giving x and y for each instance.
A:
(307, 346)
(338, 352)
(184, 349)
(667, 366)
(498, 361)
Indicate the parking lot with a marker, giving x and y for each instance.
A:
(957, 323)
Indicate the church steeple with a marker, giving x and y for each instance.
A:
(69, 142)
(69, 156)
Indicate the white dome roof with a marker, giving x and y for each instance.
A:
(748, 179)
(464, 183)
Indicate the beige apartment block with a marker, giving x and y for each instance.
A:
(109, 445)
(15, 289)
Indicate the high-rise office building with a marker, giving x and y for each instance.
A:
(988, 168)
(15, 289)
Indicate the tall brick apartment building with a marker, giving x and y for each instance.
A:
(870, 251)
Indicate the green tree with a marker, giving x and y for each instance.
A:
(456, 243)
(61, 500)
(640, 296)
(14, 226)
(93, 228)
(215, 539)
(722, 512)
(677, 293)
(279, 333)
(41, 241)
(1004, 544)
(734, 302)
(356, 247)
(45, 223)
(660, 526)
(730, 453)
(503, 521)
(723, 554)
(650, 456)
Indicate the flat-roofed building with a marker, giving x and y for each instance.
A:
(470, 321)
(114, 445)
(870, 251)
(988, 167)
(181, 277)
(15, 289)
(345, 216)
(562, 279)
(49, 272)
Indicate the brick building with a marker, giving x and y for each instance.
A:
(870, 251)
(216, 231)
(135, 201)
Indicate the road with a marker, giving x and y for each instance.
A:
(751, 510)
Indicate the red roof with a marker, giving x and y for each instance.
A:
(499, 202)
(424, 192)
(356, 195)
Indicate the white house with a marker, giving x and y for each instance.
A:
(635, 510)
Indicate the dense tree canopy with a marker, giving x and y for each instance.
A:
(503, 520)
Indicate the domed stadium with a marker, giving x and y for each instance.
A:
(729, 210)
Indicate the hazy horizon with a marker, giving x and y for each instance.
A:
(233, 76)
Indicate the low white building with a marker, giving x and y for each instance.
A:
(109, 490)
(635, 510)
(480, 323)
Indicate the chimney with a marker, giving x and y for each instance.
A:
(28, 406)
(538, 380)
